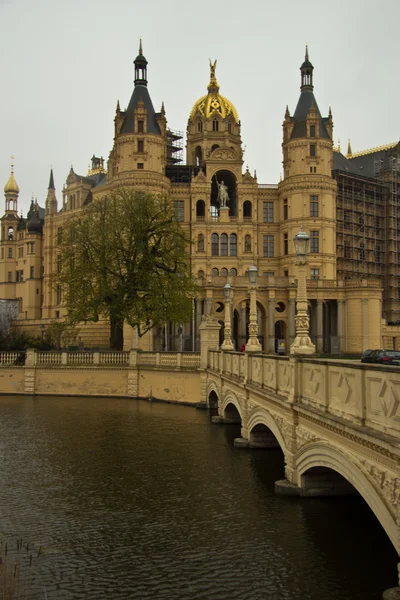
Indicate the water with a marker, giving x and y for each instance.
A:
(149, 501)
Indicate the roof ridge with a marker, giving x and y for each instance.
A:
(375, 149)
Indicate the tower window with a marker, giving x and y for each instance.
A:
(285, 243)
(313, 150)
(268, 212)
(215, 125)
(312, 130)
(32, 272)
(140, 126)
(140, 165)
(285, 209)
(314, 208)
(200, 126)
(140, 146)
(9, 276)
(268, 246)
(314, 242)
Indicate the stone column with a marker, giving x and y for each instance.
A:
(340, 323)
(320, 326)
(271, 326)
(365, 340)
(198, 321)
(291, 321)
(209, 340)
(243, 324)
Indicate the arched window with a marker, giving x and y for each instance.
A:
(247, 243)
(10, 233)
(214, 272)
(233, 272)
(199, 126)
(224, 244)
(247, 208)
(214, 244)
(215, 125)
(200, 243)
(198, 156)
(200, 274)
(224, 272)
(233, 244)
(200, 208)
(214, 147)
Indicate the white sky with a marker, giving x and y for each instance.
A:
(64, 65)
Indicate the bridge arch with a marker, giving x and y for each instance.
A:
(229, 403)
(212, 395)
(262, 417)
(320, 454)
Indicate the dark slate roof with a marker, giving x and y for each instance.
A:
(140, 92)
(300, 115)
(51, 182)
(341, 163)
(370, 164)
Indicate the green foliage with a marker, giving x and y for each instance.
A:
(60, 334)
(126, 257)
(16, 339)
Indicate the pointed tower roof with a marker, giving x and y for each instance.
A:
(51, 182)
(11, 185)
(306, 102)
(140, 94)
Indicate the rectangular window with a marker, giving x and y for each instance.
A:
(59, 294)
(314, 242)
(19, 276)
(10, 253)
(314, 274)
(32, 273)
(57, 314)
(20, 252)
(179, 208)
(140, 146)
(268, 212)
(59, 264)
(59, 235)
(140, 126)
(268, 246)
(285, 243)
(313, 150)
(314, 206)
(312, 130)
(269, 273)
(30, 247)
(9, 276)
(140, 165)
(285, 209)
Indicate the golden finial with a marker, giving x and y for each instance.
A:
(349, 152)
(12, 163)
(213, 85)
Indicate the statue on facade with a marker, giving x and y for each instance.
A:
(223, 196)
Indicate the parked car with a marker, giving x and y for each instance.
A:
(368, 356)
(388, 357)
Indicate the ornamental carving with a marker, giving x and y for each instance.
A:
(304, 436)
(223, 154)
(386, 484)
(253, 330)
(302, 323)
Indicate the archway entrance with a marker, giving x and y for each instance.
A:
(230, 181)
(280, 337)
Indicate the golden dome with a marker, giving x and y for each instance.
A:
(213, 103)
(11, 185)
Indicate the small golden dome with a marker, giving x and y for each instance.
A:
(11, 185)
(213, 103)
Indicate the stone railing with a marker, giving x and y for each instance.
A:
(362, 394)
(162, 360)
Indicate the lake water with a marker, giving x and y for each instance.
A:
(150, 501)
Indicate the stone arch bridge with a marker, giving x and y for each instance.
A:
(336, 422)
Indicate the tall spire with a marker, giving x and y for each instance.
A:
(140, 67)
(349, 151)
(306, 73)
(51, 182)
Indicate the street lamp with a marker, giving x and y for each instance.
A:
(302, 345)
(253, 345)
(227, 343)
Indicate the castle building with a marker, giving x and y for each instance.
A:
(347, 205)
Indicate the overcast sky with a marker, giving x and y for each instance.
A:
(64, 65)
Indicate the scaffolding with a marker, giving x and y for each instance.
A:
(367, 228)
(174, 147)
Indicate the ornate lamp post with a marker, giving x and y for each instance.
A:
(227, 343)
(302, 344)
(253, 345)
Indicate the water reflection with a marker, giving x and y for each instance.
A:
(144, 500)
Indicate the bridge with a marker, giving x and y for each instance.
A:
(337, 422)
